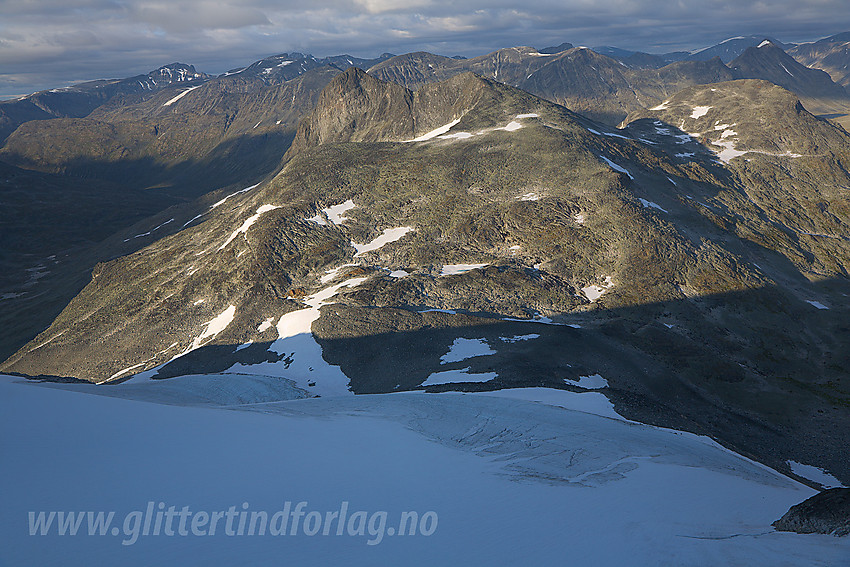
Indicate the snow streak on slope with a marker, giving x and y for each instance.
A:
(248, 222)
(181, 95)
(512, 482)
(436, 132)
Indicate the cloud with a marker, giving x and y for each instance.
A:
(48, 43)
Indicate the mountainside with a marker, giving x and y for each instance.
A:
(608, 89)
(589, 83)
(831, 54)
(80, 100)
(86, 178)
(769, 62)
(177, 136)
(732, 48)
(472, 236)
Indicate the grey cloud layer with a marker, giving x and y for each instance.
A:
(47, 43)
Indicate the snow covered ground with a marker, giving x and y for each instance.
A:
(501, 479)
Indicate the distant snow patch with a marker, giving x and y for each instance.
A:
(150, 231)
(616, 167)
(214, 326)
(517, 338)
(592, 382)
(456, 136)
(700, 111)
(529, 197)
(579, 218)
(435, 132)
(728, 153)
(248, 222)
(333, 272)
(463, 349)
(610, 134)
(455, 376)
(455, 269)
(398, 274)
(662, 106)
(335, 212)
(650, 205)
(512, 126)
(764, 43)
(266, 325)
(815, 474)
(593, 292)
(817, 304)
(389, 235)
(219, 203)
(181, 95)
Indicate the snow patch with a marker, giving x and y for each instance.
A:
(214, 326)
(181, 95)
(389, 235)
(650, 205)
(463, 349)
(662, 106)
(817, 304)
(399, 274)
(333, 272)
(333, 213)
(219, 203)
(592, 382)
(616, 167)
(700, 111)
(435, 132)
(248, 222)
(455, 376)
(512, 126)
(455, 269)
(456, 136)
(815, 474)
(593, 292)
(517, 338)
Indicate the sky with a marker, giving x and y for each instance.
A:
(54, 43)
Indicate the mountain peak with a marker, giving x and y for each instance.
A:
(769, 61)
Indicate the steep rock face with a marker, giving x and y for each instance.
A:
(357, 107)
(520, 245)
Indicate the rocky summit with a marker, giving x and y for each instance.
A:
(472, 236)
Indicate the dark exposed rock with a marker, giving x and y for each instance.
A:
(824, 513)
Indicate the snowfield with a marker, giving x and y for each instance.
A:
(505, 480)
